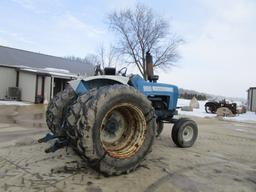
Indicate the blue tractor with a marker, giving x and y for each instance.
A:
(111, 119)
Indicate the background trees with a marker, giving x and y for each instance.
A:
(139, 31)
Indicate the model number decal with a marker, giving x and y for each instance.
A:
(157, 88)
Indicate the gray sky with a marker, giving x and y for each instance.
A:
(217, 56)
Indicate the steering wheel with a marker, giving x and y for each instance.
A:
(122, 71)
(98, 70)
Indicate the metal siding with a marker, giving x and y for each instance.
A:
(39, 85)
(249, 100)
(47, 89)
(253, 100)
(7, 79)
(27, 85)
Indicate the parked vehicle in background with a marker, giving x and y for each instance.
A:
(213, 106)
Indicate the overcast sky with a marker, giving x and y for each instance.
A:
(218, 55)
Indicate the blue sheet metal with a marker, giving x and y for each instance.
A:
(156, 89)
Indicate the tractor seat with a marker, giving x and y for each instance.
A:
(153, 78)
(110, 71)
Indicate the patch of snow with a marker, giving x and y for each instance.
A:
(56, 70)
(30, 69)
(183, 102)
(19, 103)
(62, 74)
(248, 117)
(196, 112)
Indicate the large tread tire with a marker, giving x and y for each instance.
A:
(178, 130)
(94, 112)
(73, 115)
(56, 110)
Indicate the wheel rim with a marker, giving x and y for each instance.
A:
(187, 133)
(207, 109)
(123, 130)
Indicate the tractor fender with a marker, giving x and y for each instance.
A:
(81, 86)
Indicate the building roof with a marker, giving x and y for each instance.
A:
(17, 57)
(59, 73)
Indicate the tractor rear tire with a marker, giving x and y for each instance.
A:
(56, 108)
(73, 115)
(118, 129)
(184, 132)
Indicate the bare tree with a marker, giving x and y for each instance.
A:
(74, 58)
(141, 31)
(107, 57)
(91, 59)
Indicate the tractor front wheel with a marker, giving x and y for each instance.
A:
(184, 132)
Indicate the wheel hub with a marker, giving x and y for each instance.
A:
(114, 128)
(123, 130)
(187, 133)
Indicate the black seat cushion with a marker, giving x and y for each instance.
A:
(109, 71)
(153, 78)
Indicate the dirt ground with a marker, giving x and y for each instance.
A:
(223, 159)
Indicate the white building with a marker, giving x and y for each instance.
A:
(35, 77)
(35, 85)
(251, 103)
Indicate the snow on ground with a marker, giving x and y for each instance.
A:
(196, 112)
(13, 103)
(247, 117)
